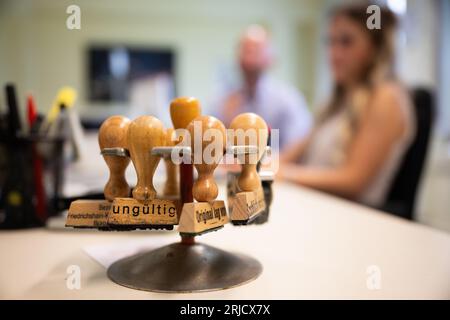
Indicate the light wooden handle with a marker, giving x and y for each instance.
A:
(183, 110)
(171, 186)
(113, 134)
(144, 133)
(249, 179)
(205, 188)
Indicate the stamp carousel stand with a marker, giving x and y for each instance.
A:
(185, 266)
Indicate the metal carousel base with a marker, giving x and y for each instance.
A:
(181, 267)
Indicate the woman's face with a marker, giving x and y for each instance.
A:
(349, 50)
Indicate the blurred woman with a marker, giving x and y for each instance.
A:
(359, 140)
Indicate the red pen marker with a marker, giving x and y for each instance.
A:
(31, 111)
(37, 165)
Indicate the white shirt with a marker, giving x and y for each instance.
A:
(330, 142)
(280, 105)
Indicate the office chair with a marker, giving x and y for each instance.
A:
(401, 196)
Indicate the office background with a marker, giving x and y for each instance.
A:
(40, 54)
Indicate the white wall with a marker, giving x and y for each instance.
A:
(418, 58)
(41, 54)
(444, 67)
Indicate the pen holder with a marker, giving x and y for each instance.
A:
(24, 201)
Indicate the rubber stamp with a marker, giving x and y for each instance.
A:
(112, 139)
(207, 213)
(249, 140)
(144, 210)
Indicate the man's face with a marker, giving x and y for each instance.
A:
(253, 55)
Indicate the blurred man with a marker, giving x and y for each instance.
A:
(281, 105)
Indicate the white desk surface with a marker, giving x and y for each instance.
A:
(314, 246)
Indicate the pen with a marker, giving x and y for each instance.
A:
(37, 164)
(14, 125)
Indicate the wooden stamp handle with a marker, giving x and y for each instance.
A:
(117, 186)
(249, 179)
(182, 111)
(145, 133)
(113, 134)
(171, 185)
(205, 188)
